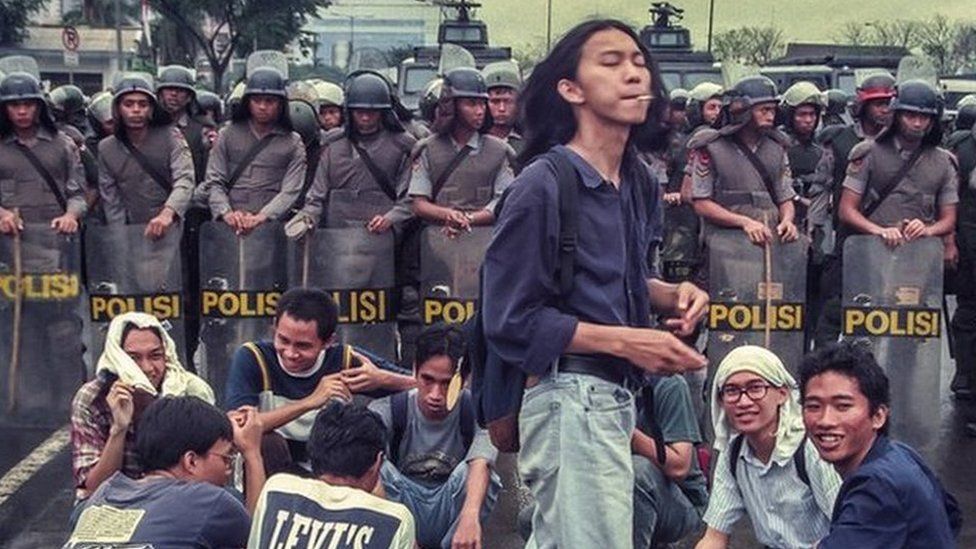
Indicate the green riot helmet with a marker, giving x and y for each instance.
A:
(705, 91)
(465, 82)
(430, 97)
(176, 76)
(330, 94)
(966, 101)
(502, 74)
(803, 93)
(135, 82)
(20, 86)
(100, 107)
(209, 101)
(368, 90)
(266, 81)
(679, 98)
(235, 98)
(966, 117)
(837, 101)
(304, 120)
(301, 90)
(67, 100)
(746, 94)
(918, 96)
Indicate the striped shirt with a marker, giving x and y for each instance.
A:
(785, 512)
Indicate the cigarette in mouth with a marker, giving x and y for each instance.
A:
(645, 97)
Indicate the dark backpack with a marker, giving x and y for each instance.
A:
(398, 423)
(799, 458)
(645, 403)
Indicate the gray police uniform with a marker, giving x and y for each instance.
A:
(478, 181)
(192, 129)
(21, 186)
(130, 194)
(345, 187)
(722, 173)
(963, 144)
(272, 182)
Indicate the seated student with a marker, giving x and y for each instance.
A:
(295, 374)
(336, 508)
(767, 469)
(670, 490)
(890, 497)
(139, 362)
(439, 463)
(187, 447)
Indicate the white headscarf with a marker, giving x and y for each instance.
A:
(765, 364)
(176, 382)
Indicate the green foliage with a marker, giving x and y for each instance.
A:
(950, 45)
(101, 13)
(749, 45)
(14, 18)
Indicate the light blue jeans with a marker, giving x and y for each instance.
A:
(662, 512)
(575, 431)
(436, 509)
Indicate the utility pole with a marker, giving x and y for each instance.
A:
(118, 33)
(711, 20)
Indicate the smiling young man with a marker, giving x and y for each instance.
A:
(583, 107)
(890, 497)
(294, 375)
(188, 447)
(439, 463)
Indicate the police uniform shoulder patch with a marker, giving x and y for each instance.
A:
(858, 155)
(702, 137)
(780, 138)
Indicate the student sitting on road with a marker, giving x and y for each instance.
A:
(767, 469)
(187, 447)
(337, 508)
(439, 462)
(293, 376)
(139, 362)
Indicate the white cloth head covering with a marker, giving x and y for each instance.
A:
(765, 364)
(176, 382)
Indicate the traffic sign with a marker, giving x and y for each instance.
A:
(70, 38)
(70, 58)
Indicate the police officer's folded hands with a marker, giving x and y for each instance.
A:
(787, 231)
(10, 223)
(914, 229)
(757, 231)
(158, 225)
(379, 224)
(892, 236)
(65, 224)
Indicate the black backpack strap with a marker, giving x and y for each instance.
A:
(757, 164)
(147, 166)
(735, 450)
(44, 173)
(885, 192)
(442, 178)
(467, 420)
(381, 179)
(398, 423)
(568, 180)
(800, 461)
(248, 158)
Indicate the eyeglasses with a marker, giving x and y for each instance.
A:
(228, 458)
(731, 394)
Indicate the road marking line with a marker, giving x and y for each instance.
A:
(23, 471)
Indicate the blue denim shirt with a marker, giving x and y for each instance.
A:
(527, 322)
(893, 500)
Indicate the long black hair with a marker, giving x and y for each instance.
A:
(548, 120)
(44, 118)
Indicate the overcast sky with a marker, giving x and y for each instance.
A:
(520, 22)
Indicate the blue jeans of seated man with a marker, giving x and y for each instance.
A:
(575, 432)
(436, 509)
(662, 512)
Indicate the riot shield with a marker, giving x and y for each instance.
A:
(449, 274)
(267, 59)
(20, 63)
(348, 208)
(913, 67)
(756, 296)
(893, 299)
(241, 279)
(41, 325)
(356, 268)
(453, 57)
(128, 272)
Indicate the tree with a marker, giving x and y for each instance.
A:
(951, 46)
(224, 29)
(749, 45)
(14, 18)
(101, 13)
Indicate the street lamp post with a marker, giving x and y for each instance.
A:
(711, 20)
(548, 25)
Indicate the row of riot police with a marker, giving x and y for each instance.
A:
(204, 222)
(806, 228)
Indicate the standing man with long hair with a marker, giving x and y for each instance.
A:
(583, 350)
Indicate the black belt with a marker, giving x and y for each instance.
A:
(606, 367)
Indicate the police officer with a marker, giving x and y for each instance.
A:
(68, 107)
(836, 109)
(922, 181)
(742, 171)
(257, 166)
(871, 114)
(678, 119)
(100, 118)
(704, 105)
(962, 143)
(429, 97)
(504, 82)
(361, 165)
(211, 106)
(177, 96)
(331, 99)
(40, 167)
(145, 168)
(460, 173)
(802, 107)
